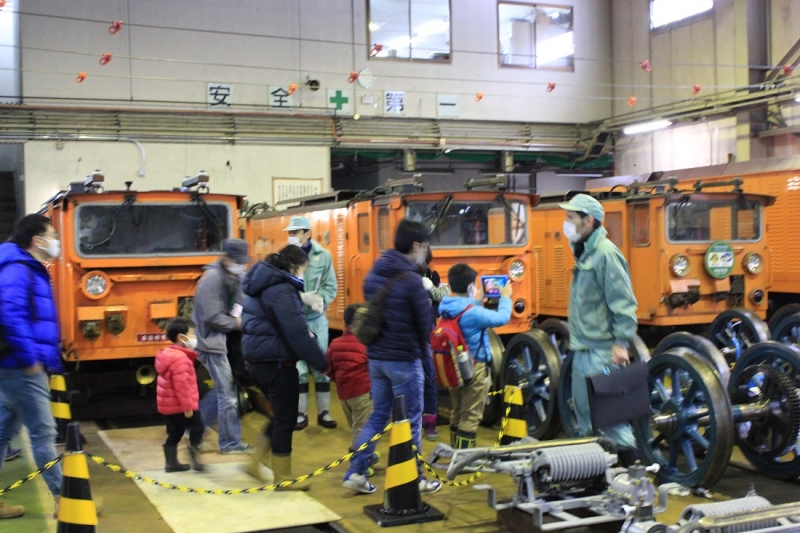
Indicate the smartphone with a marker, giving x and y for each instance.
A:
(492, 285)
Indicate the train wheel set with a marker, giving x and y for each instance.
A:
(737, 386)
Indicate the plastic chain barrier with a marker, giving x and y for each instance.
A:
(32, 475)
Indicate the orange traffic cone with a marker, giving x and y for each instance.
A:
(516, 427)
(59, 405)
(402, 502)
(76, 509)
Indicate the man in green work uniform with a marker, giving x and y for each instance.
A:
(320, 290)
(602, 308)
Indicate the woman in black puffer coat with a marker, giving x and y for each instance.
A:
(274, 337)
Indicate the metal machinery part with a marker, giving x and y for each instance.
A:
(569, 421)
(558, 331)
(780, 314)
(750, 514)
(735, 330)
(702, 346)
(539, 367)
(564, 484)
(787, 330)
(785, 360)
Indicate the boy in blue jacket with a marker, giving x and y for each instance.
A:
(469, 401)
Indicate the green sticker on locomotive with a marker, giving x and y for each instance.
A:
(719, 260)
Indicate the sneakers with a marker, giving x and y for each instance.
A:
(374, 459)
(358, 483)
(302, 422)
(239, 449)
(429, 487)
(10, 511)
(12, 453)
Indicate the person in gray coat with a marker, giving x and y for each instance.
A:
(217, 311)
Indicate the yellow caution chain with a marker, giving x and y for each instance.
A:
(32, 475)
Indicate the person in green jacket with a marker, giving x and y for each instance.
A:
(320, 291)
(602, 308)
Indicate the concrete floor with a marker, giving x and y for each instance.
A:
(128, 511)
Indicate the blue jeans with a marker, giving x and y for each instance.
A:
(25, 398)
(228, 425)
(587, 363)
(389, 379)
(430, 406)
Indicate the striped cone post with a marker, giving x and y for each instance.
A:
(516, 427)
(76, 509)
(59, 405)
(402, 502)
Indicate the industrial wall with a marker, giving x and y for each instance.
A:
(713, 51)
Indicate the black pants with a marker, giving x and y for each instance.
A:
(177, 426)
(279, 382)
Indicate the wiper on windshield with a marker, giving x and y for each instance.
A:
(448, 202)
(129, 201)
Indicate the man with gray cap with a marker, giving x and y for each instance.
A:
(217, 312)
(602, 308)
(320, 291)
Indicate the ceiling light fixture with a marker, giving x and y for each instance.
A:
(645, 127)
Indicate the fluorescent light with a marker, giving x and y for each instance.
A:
(375, 26)
(645, 127)
(797, 98)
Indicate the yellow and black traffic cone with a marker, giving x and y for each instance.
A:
(402, 502)
(515, 426)
(76, 509)
(59, 405)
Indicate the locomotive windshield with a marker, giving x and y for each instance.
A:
(139, 229)
(462, 223)
(691, 220)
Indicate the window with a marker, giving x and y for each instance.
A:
(459, 224)
(535, 36)
(409, 29)
(146, 230)
(663, 12)
(641, 225)
(708, 221)
(363, 233)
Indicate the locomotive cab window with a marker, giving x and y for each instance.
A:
(708, 221)
(144, 230)
(458, 224)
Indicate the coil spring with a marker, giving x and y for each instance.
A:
(573, 463)
(695, 512)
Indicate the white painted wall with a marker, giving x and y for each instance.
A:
(245, 170)
(168, 51)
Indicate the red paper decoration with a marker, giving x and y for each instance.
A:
(646, 66)
(292, 88)
(105, 58)
(478, 97)
(787, 70)
(2, 3)
(80, 77)
(115, 27)
(376, 49)
(551, 86)
(631, 101)
(352, 77)
(696, 89)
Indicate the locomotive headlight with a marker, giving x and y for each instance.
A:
(95, 285)
(516, 270)
(753, 263)
(680, 265)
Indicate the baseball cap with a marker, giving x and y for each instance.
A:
(296, 223)
(238, 250)
(583, 203)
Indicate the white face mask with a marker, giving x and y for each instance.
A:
(190, 343)
(293, 239)
(53, 248)
(237, 270)
(570, 231)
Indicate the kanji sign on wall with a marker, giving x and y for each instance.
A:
(284, 189)
(280, 96)
(219, 95)
(394, 103)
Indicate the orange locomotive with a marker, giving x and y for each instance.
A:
(487, 229)
(130, 262)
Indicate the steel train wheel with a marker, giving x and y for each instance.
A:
(538, 365)
(780, 314)
(700, 345)
(786, 360)
(736, 330)
(787, 330)
(558, 331)
(566, 408)
(494, 404)
(685, 396)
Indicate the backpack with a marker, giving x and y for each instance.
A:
(367, 323)
(446, 338)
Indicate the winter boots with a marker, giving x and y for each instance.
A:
(10, 511)
(429, 427)
(282, 466)
(262, 456)
(464, 440)
(171, 456)
(194, 458)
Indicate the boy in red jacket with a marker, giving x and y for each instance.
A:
(177, 394)
(347, 358)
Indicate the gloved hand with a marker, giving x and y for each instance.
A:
(427, 283)
(314, 301)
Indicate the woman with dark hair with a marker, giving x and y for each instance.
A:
(275, 337)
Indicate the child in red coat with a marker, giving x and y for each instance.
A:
(177, 394)
(347, 358)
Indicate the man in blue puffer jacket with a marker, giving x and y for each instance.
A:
(469, 401)
(395, 359)
(29, 344)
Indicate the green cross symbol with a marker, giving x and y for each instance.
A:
(339, 100)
